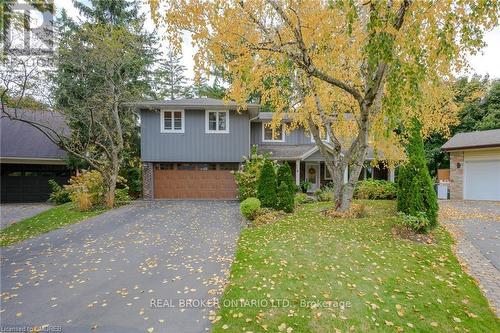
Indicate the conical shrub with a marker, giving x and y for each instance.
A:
(266, 188)
(415, 187)
(285, 198)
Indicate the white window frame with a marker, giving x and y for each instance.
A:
(162, 122)
(327, 139)
(217, 131)
(273, 140)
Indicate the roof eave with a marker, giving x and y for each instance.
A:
(156, 106)
(494, 145)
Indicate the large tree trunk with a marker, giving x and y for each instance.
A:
(115, 159)
(110, 179)
(110, 193)
(338, 184)
(354, 157)
(345, 201)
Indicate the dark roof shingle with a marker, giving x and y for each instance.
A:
(480, 139)
(189, 103)
(284, 152)
(19, 139)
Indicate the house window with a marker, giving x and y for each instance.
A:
(327, 173)
(228, 166)
(324, 137)
(207, 166)
(165, 166)
(369, 172)
(217, 121)
(186, 166)
(172, 121)
(270, 134)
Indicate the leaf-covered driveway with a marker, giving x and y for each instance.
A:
(104, 274)
(475, 226)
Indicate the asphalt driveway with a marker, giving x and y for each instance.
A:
(127, 270)
(476, 228)
(480, 224)
(15, 212)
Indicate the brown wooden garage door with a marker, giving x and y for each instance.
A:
(194, 184)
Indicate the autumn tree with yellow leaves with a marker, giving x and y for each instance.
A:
(358, 71)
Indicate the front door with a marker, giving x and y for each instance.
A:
(312, 175)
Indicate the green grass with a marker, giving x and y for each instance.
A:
(46, 221)
(307, 257)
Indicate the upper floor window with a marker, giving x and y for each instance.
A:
(324, 137)
(172, 121)
(270, 134)
(217, 121)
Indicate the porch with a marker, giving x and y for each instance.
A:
(317, 173)
(308, 164)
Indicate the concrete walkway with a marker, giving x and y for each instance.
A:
(476, 227)
(127, 270)
(11, 213)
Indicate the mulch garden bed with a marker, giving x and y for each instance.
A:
(409, 234)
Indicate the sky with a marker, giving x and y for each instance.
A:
(485, 62)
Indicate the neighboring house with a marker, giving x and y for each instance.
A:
(190, 146)
(474, 165)
(29, 159)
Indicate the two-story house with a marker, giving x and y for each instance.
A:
(190, 146)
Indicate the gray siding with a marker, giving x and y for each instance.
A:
(296, 137)
(316, 156)
(194, 145)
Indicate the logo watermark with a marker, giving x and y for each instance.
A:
(29, 29)
(27, 328)
(194, 303)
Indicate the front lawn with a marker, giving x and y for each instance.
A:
(310, 273)
(46, 221)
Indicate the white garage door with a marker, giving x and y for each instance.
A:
(482, 180)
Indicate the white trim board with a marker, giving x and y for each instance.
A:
(32, 160)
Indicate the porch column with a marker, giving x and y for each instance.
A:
(391, 174)
(297, 172)
(346, 175)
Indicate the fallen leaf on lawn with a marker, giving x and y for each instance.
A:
(400, 310)
(472, 315)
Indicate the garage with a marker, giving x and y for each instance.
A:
(474, 165)
(30, 183)
(28, 159)
(195, 181)
(482, 180)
